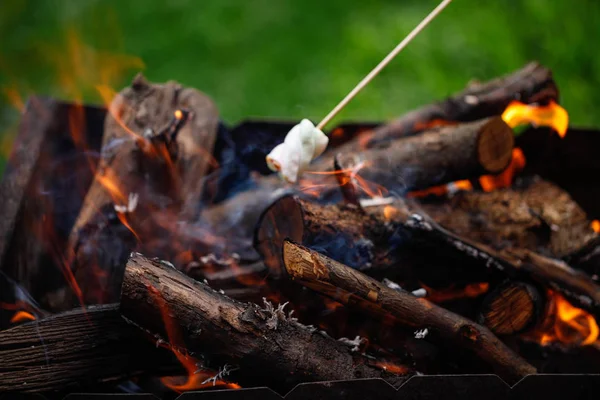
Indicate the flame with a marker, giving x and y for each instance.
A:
(568, 325)
(195, 378)
(441, 190)
(391, 367)
(21, 316)
(551, 115)
(434, 123)
(505, 178)
(114, 108)
(447, 294)
(14, 97)
(348, 176)
(595, 225)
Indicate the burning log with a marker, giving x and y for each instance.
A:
(439, 156)
(76, 347)
(157, 147)
(143, 133)
(514, 307)
(365, 239)
(353, 288)
(531, 84)
(266, 344)
(383, 240)
(536, 215)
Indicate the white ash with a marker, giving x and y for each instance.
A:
(471, 99)
(421, 334)
(376, 201)
(212, 259)
(354, 343)
(392, 285)
(274, 315)
(221, 291)
(131, 205)
(595, 277)
(166, 263)
(419, 292)
(223, 372)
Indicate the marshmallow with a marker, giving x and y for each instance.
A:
(303, 143)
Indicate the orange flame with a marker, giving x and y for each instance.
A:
(552, 115)
(21, 316)
(505, 178)
(469, 291)
(595, 225)
(569, 325)
(348, 176)
(195, 379)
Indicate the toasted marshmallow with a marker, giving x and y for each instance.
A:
(303, 143)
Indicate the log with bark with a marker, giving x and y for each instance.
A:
(400, 239)
(156, 149)
(351, 287)
(534, 214)
(77, 349)
(531, 84)
(514, 307)
(435, 157)
(268, 345)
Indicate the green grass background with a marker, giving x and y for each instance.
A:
(293, 59)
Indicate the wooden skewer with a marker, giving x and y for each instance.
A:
(383, 63)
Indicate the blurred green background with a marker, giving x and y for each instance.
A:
(292, 59)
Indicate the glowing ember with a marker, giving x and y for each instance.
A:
(569, 325)
(552, 115)
(21, 316)
(595, 225)
(390, 367)
(447, 294)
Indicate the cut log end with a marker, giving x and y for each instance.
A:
(512, 308)
(494, 145)
(282, 220)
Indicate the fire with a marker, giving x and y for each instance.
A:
(196, 378)
(390, 367)
(595, 225)
(552, 115)
(469, 291)
(504, 179)
(348, 176)
(569, 325)
(21, 316)
(434, 123)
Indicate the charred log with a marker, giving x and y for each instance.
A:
(267, 345)
(353, 288)
(77, 348)
(512, 308)
(536, 215)
(435, 157)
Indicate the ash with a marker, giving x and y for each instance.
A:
(274, 315)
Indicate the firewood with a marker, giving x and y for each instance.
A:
(382, 241)
(514, 307)
(157, 147)
(35, 224)
(134, 126)
(267, 344)
(80, 347)
(536, 215)
(531, 84)
(435, 157)
(351, 287)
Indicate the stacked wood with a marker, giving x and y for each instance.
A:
(435, 157)
(268, 345)
(77, 349)
(351, 287)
